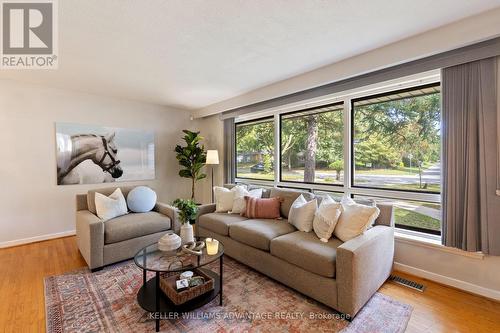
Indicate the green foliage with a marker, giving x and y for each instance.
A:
(268, 164)
(192, 158)
(338, 166)
(373, 154)
(187, 210)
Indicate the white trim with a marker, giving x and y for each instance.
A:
(22, 241)
(463, 285)
(430, 243)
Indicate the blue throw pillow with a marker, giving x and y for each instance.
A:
(141, 199)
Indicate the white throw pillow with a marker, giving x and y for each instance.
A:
(239, 203)
(224, 198)
(112, 206)
(354, 220)
(326, 218)
(302, 213)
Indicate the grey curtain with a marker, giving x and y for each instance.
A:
(229, 150)
(471, 209)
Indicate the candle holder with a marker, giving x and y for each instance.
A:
(212, 246)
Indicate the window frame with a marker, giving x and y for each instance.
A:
(347, 188)
(281, 115)
(403, 226)
(235, 164)
(351, 138)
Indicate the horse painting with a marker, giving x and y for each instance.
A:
(87, 158)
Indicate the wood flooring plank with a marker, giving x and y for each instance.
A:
(22, 309)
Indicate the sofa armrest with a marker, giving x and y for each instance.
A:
(363, 265)
(171, 212)
(205, 209)
(90, 238)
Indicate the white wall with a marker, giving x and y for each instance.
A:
(212, 130)
(31, 204)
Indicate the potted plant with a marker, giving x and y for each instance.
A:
(187, 215)
(192, 158)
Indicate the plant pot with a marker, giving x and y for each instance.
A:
(187, 234)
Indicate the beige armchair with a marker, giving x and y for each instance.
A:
(105, 242)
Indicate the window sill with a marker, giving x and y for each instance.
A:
(431, 242)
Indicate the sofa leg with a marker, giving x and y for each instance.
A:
(93, 270)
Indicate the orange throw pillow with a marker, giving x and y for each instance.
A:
(262, 208)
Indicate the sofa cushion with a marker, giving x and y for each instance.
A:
(305, 250)
(288, 196)
(134, 225)
(104, 191)
(219, 222)
(258, 233)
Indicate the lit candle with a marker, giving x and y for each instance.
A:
(212, 246)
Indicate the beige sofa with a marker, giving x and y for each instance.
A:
(341, 275)
(103, 243)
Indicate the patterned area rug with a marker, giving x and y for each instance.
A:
(105, 301)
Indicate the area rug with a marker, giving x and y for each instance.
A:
(105, 301)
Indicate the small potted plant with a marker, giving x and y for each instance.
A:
(187, 214)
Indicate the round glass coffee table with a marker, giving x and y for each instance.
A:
(152, 299)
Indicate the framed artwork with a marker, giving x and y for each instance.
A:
(93, 154)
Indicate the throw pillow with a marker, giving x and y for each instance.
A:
(224, 197)
(112, 206)
(239, 203)
(326, 218)
(302, 212)
(141, 199)
(262, 208)
(354, 220)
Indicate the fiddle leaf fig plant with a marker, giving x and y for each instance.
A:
(187, 210)
(192, 158)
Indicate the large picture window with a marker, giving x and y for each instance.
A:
(255, 149)
(397, 140)
(389, 151)
(312, 145)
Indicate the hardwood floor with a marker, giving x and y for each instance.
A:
(22, 305)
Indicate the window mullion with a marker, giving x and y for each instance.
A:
(347, 146)
(277, 150)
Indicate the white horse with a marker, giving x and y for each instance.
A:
(77, 151)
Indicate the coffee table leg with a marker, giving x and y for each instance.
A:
(157, 301)
(220, 277)
(143, 277)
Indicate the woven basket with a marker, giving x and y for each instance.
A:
(168, 286)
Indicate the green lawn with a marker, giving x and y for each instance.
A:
(414, 219)
(397, 171)
(415, 187)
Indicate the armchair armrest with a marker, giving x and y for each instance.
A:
(363, 265)
(90, 238)
(205, 209)
(171, 212)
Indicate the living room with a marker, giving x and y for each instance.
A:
(305, 166)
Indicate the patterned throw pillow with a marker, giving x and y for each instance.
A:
(240, 204)
(262, 208)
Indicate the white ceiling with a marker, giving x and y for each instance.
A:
(190, 54)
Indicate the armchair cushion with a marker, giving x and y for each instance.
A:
(134, 225)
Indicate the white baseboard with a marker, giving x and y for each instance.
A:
(36, 239)
(459, 284)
